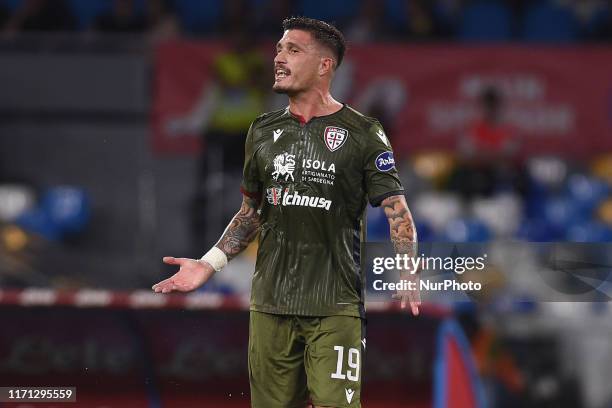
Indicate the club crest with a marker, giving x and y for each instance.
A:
(334, 137)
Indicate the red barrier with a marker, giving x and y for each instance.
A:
(140, 349)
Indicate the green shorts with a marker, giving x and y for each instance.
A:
(293, 359)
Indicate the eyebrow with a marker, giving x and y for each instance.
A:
(289, 44)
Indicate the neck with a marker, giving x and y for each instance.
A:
(311, 103)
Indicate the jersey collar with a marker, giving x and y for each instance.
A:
(300, 118)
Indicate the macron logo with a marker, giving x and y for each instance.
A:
(382, 136)
(276, 134)
(349, 394)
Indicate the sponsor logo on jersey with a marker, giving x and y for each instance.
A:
(306, 201)
(318, 165)
(349, 394)
(385, 161)
(382, 137)
(284, 166)
(317, 171)
(277, 133)
(334, 137)
(276, 196)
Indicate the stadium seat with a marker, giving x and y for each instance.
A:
(547, 22)
(604, 212)
(199, 16)
(560, 212)
(377, 225)
(38, 221)
(85, 12)
(15, 199)
(488, 210)
(437, 209)
(424, 232)
(547, 172)
(587, 191)
(590, 231)
(466, 230)
(67, 207)
(537, 230)
(395, 13)
(10, 4)
(336, 11)
(486, 21)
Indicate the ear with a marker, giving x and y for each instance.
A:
(326, 65)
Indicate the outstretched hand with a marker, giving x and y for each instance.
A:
(191, 275)
(412, 297)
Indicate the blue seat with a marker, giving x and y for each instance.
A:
(85, 12)
(562, 211)
(67, 207)
(199, 16)
(547, 22)
(590, 231)
(486, 21)
(10, 4)
(377, 225)
(466, 230)
(37, 221)
(538, 230)
(395, 13)
(587, 191)
(336, 11)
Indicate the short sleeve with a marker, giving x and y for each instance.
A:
(251, 182)
(381, 177)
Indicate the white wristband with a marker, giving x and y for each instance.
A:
(216, 258)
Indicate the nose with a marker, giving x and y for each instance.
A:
(280, 58)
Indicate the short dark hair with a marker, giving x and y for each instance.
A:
(326, 34)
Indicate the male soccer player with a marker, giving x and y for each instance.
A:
(309, 171)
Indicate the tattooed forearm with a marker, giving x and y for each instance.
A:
(403, 231)
(242, 229)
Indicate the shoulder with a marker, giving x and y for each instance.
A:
(365, 123)
(268, 117)
(264, 121)
(370, 128)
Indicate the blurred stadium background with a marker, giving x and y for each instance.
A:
(121, 131)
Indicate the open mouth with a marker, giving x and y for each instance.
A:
(281, 73)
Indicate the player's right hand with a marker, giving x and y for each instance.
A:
(191, 275)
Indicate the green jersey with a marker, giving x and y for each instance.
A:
(315, 180)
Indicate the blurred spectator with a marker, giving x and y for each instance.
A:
(489, 137)
(222, 115)
(41, 15)
(162, 20)
(488, 151)
(369, 25)
(122, 18)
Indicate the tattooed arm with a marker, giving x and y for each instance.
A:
(404, 239)
(194, 273)
(241, 230)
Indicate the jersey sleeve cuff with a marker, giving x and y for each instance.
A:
(254, 195)
(375, 202)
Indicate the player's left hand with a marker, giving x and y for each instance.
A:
(412, 297)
